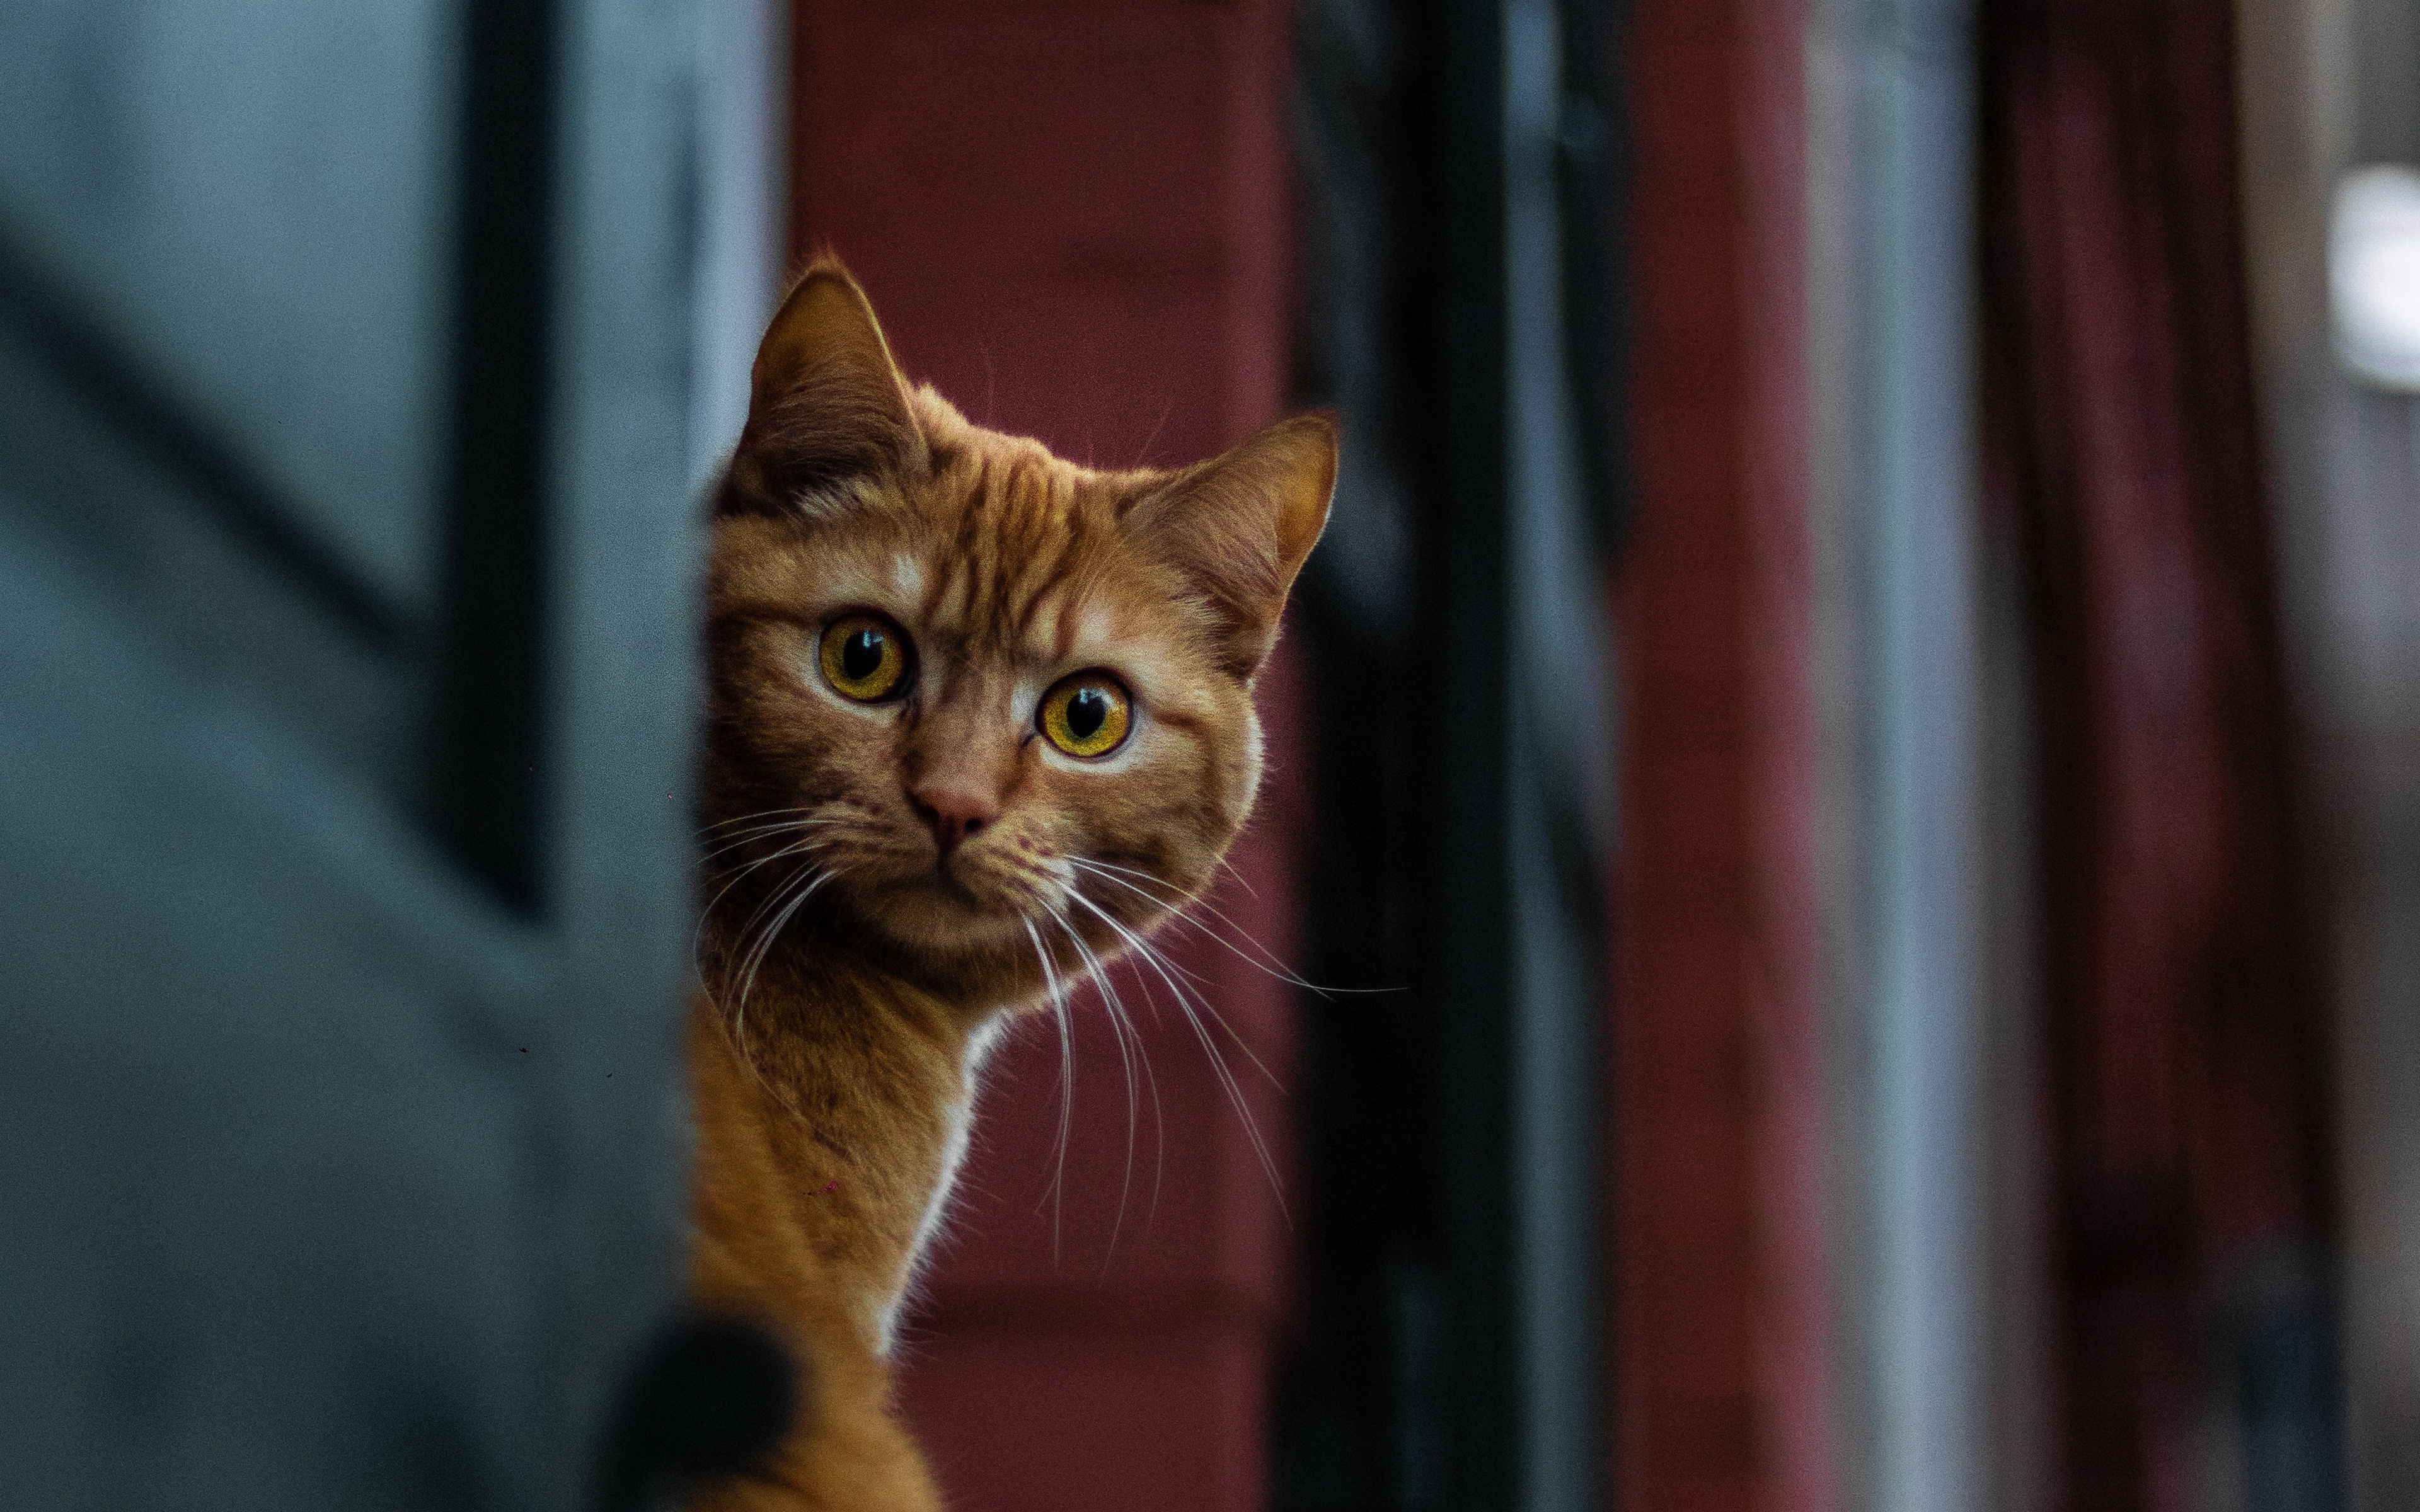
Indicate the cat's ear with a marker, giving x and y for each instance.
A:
(827, 404)
(1240, 525)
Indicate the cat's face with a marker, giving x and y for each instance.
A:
(992, 705)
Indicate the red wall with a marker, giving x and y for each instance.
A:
(1722, 1348)
(1072, 219)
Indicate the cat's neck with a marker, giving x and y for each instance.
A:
(863, 1085)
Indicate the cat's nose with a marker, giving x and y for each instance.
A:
(955, 811)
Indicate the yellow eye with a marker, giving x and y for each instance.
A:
(1087, 714)
(864, 659)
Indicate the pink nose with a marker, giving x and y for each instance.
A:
(954, 813)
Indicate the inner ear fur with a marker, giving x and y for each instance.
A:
(826, 405)
(1239, 526)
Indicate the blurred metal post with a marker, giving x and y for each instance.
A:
(1916, 376)
(1519, 727)
(1558, 796)
(1467, 950)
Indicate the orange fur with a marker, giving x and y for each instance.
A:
(854, 961)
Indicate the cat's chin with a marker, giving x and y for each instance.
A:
(938, 914)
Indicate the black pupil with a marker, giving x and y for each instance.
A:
(1086, 712)
(860, 655)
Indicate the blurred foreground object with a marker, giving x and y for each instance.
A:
(344, 545)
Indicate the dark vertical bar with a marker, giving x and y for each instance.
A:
(1418, 1384)
(486, 782)
(1595, 143)
(1357, 1416)
(1469, 889)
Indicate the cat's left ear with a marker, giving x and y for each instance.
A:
(1240, 525)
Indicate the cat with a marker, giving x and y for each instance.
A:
(978, 719)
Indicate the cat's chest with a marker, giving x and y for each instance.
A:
(957, 1129)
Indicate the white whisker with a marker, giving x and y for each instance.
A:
(697, 938)
(740, 838)
(1269, 963)
(1218, 1061)
(1056, 995)
(1163, 965)
(762, 813)
(1122, 1028)
(815, 882)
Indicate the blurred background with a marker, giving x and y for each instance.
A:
(1847, 774)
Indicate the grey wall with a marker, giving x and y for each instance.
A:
(331, 1175)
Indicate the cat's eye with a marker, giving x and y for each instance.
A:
(1086, 715)
(865, 657)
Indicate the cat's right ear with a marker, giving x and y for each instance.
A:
(827, 404)
(1240, 525)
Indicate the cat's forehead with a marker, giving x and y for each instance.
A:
(1022, 560)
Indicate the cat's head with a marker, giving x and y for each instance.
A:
(966, 698)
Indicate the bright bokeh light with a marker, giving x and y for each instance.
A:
(2374, 275)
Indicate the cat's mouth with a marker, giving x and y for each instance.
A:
(953, 903)
(991, 893)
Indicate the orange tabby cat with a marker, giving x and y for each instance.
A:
(977, 718)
